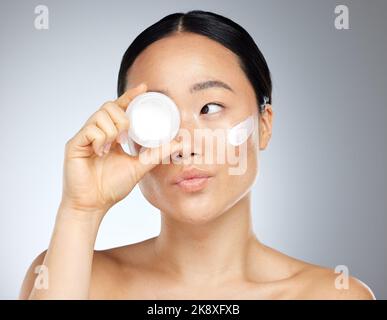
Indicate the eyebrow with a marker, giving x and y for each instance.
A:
(202, 86)
(210, 84)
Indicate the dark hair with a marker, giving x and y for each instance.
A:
(216, 27)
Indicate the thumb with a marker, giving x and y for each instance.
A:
(151, 157)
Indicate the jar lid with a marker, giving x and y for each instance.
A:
(154, 119)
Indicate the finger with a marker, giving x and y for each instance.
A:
(151, 157)
(89, 135)
(119, 119)
(106, 124)
(126, 97)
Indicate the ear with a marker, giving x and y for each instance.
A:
(265, 126)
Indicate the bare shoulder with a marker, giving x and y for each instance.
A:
(31, 275)
(297, 279)
(127, 255)
(112, 268)
(324, 283)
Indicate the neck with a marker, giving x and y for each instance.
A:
(219, 247)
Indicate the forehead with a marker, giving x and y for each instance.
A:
(183, 59)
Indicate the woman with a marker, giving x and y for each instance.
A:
(206, 249)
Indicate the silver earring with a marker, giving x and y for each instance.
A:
(263, 105)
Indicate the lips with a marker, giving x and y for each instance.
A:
(192, 179)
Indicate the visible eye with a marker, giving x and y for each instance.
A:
(211, 108)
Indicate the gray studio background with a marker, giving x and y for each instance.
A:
(321, 194)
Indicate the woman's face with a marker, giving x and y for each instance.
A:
(173, 65)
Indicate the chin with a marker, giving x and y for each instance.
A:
(193, 211)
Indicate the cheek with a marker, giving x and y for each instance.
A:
(151, 188)
(238, 180)
(242, 161)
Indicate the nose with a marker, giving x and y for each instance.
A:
(190, 151)
(179, 156)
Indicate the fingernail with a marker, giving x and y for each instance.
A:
(106, 148)
(100, 152)
(123, 137)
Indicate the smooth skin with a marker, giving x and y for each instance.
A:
(206, 248)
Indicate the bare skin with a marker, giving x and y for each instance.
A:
(206, 248)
